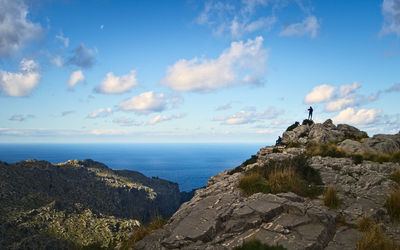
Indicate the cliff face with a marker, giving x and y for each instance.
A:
(221, 216)
(77, 203)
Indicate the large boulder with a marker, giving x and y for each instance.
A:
(385, 144)
(322, 133)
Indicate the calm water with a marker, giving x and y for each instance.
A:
(190, 165)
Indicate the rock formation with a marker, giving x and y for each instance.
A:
(77, 203)
(220, 216)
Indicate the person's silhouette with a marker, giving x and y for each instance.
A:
(310, 110)
(278, 141)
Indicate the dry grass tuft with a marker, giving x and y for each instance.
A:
(393, 204)
(139, 234)
(324, 149)
(374, 239)
(365, 223)
(253, 183)
(331, 198)
(285, 180)
(395, 176)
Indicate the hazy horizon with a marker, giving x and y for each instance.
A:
(194, 71)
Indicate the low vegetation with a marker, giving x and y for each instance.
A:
(393, 204)
(374, 238)
(139, 234)
(242, 166)
(365, 223)
(256, 244)
(307, 122)
(324, 149)
(293, 126)
(331, 198)
(332, 150)
(395, 176)
(290, 175)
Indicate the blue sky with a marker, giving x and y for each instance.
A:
(194, 71)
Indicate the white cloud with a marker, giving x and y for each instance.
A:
(394, 88)
(224, 107)
(124, 121)
(57, 61)
(64, 40)
(309, 26)
(362, 116)
(76, 76)
(15, 28)
(145, 103)
(67, 112)
(346, 90)
(21, 118)
(101, 26)
(102, 112)
(162, 118)
(21, 83)
(82, 57)
(117, 84)
(321, 93)
(241, 117)
(100, 132)
(339, 104)
(238, 29)
(391, 17)
(236, 65)
(239, 18)
(249, 116)
(345, 97)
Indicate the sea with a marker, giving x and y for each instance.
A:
(188, 164)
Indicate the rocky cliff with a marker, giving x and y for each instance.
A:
(77, 203)
(223, 216)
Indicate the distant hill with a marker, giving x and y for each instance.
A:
(77, 203)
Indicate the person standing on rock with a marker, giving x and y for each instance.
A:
(310, 110)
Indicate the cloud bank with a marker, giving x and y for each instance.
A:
(15, 28)
(242, 63)
(21, 83)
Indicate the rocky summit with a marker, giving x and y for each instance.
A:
(77, 204)
(223, 216)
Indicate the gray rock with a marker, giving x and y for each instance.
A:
(322, 133)
(386, 144)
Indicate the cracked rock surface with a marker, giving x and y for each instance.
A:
(220, 216)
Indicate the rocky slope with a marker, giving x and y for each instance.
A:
(220, 216)
(77, 203)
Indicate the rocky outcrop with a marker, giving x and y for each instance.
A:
(384, 144)
(322, 133)
(77, 203)
(220, 216)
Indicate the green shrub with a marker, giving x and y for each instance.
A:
(293, 144)
(240, 168)
(139, 234)
(256, 244)
(307, 122)
(293, 126)
(357, 158)
(290, 175)
(276, 150)
(393, 204)
(331, 199)
(253, 183)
